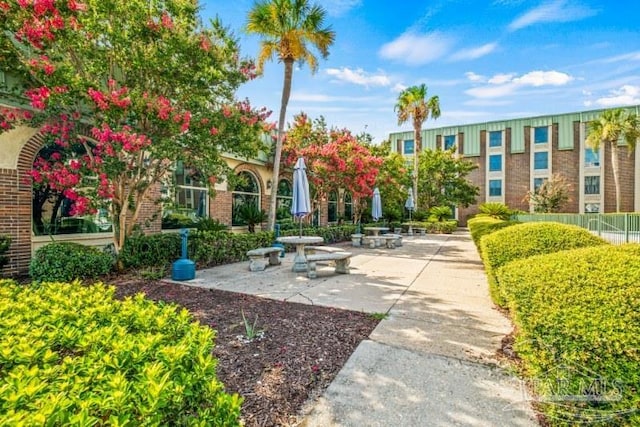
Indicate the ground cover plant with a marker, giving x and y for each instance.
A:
(577, 332)
(72, 355)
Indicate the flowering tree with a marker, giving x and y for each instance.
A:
(335, 159)
(122, 90)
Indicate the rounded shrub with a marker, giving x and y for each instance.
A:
(66, 261)
(482, 225)
(525, 240)
(153, 250)
(576, 317)
(73, 355)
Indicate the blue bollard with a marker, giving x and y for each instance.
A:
(183, 269)
(276, 229)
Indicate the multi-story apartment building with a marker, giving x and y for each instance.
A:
(516, 156)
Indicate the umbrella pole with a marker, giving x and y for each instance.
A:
(300, 235)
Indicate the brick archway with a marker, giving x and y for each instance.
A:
(15, 207)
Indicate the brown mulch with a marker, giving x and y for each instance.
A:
(299, 353)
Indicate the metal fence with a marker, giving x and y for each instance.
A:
(616, 228)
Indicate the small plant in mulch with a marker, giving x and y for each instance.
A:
(251, 331)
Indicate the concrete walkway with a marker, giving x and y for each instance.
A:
(431, 362)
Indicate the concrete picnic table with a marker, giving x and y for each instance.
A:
(300, 260)
(376, 230)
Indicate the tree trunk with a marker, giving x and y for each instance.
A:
(615, 169)
(286, 92)
(417, 136)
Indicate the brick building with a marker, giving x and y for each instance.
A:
(515, 156)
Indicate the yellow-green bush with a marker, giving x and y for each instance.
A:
(525, 240)
(482, 225)
(577, 317)
(72, 355)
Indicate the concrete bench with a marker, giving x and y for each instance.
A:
(310, 250)
(422, 231)
(342, 260)
(389, 240)
(258, 261)
(398, 239)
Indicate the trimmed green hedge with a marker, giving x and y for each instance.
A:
(525, 240)
(578, 331)
(482, 225)
(67, 261)
(205, 248)
(72, 355)
(332, 234)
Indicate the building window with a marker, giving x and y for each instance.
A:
(495, 163)
(591, 158)
(284, 200)
(449, 141)
(541, 135)
(537, 183)
(348, 207)
(408, 146)
(189, 202)
(495, 187)
(495, 138)
(592, 208)
(541, 160)
(332, 206)
(592, 185)
(247, 192)
(52, 212)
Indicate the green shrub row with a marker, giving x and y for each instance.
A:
(578, 332)
(525, 240)
(205, 248)
(442, 227)
(66, 261)
(72, 355)
(332, 234)
(482, 225)
(5, 243)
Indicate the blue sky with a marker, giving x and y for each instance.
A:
(486, 61)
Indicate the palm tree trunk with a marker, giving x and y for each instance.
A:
(416, 153)
(286, 92)
(615, 169)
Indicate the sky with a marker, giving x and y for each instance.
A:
(485, 61)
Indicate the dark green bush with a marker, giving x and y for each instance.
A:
(72, 355)
(208, 249)
(333, 234)
(525, 240)
(482, 225)
(66, 261)
(211, 224)
(154, 250)
(444, 227)
(578, 331)
(5, 243)
(205, 248)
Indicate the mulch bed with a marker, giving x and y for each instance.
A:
(297, 355)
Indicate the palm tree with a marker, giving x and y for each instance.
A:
(288, 29)
(612, 126)
(413, 105)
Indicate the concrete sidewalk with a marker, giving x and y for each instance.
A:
(431, 362)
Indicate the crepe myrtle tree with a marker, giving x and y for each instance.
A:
(335, 160)
(125, 89)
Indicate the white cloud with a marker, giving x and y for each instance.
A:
(631, 56)
(626, 95)
(398, 87)
(474, 53)
(339, 7)
(553, 11)
(504, 84)
(417, 49)
(501, 78)
(359, 77)
(544, 78)
(474, 77)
